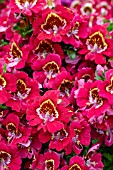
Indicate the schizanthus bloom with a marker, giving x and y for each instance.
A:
(47, 113)
(52, 24)
(90, 101)
(76, 162)
(26, 90)
(9, 157)
(26, 6)
(56, 84)
(97, 45)
(50, 160)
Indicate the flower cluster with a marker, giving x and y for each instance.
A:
(56, 84)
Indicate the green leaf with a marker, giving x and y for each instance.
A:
(3, 106)
(105, 20)
(72, 54)
(24, 30)
(70, 51)
(68, 157)
(98, 78)
(95, 141)
(27, 32)
(1, 1)
(3, 42)
(110, 27)
(108, 156)
(4, 68)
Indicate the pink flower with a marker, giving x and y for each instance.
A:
(26, 92)
(63, 82)
(80, 132)
(93, 160)
(97, 45)
(90, 101)
(106, 87)
(86, 74)
(60, 139)
(47, 113)
(76, 162)
(47, 69)
(39, 50)
(44, 137)
(87, 8)
(26, 7)
(15, 133)
(15, 56)
(104, 9)
(7, 85)
(109, 137)
(75, 31)
(52, 3)
(45, 28)
(28, 148)
(9, 158)
(50, 160)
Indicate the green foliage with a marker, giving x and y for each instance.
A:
(3, 107)
(106, 20)
(110, 27)
(68, 157)
(24, 27)
(95, 141)
(107, 156)
(85, 150)
(97, 77)
(4, 68)
(70, 51)
(3, 42)
(1, 1)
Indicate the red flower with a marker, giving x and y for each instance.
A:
(52, 3)
(9, 158)
(104, 9)
(39, 50)
(15, 133)
(47, 113)
(60, 139)
(109, 137)
(90, 101)
(87, 8)
(106, 87)
(76, 162)
(85, 73)
(93, 159)
(28, 148)
(3, 114)
(50, 67)
(52, 24)
(50, 160)
(26, 7)
(47, 69)
(76, 31)
(11, 123)
(80, 136)
(15, 56)
(26, 91)
(63, 82)
(97, 45)
(7, 85)
(44, 137)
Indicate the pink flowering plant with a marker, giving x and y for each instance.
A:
(56, 84)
